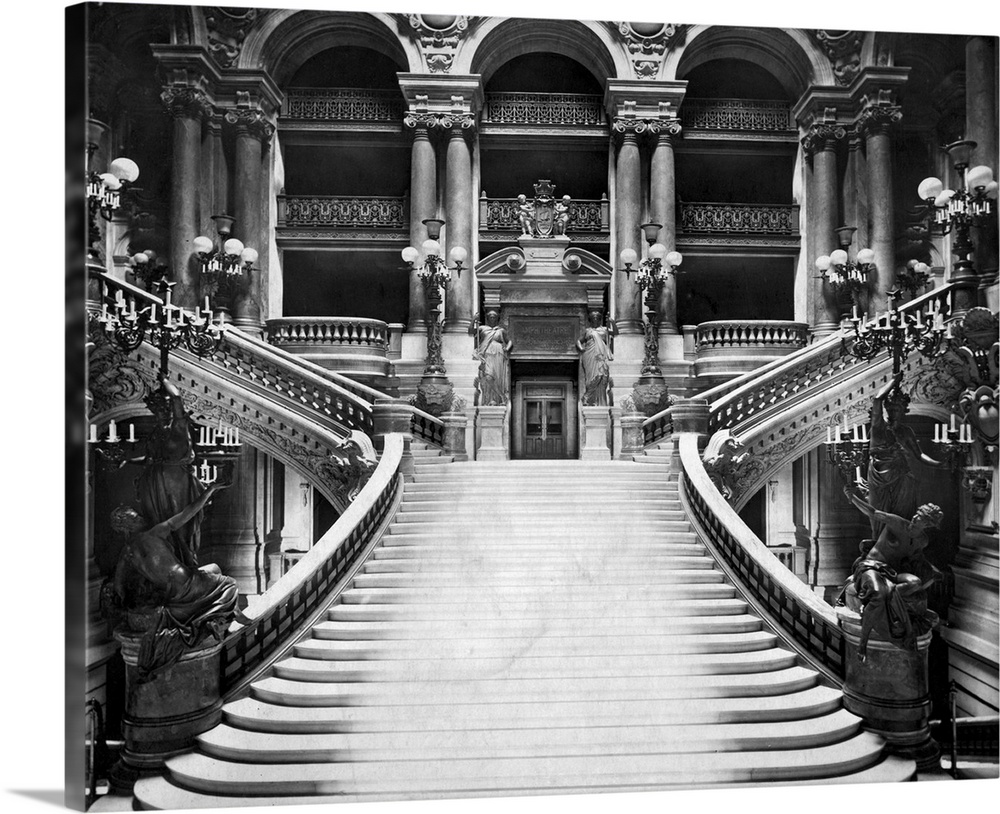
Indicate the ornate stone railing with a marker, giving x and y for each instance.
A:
(544, 109)
(586, 215)
(338, 211)
(763, 334)
(795, 613)
(315, 580)
(738, 218)
(370, 333)
(744, 115)
(343, 104)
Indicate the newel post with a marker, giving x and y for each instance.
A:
(394, 416)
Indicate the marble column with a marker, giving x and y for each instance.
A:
(821, 143)
(423, 204)
(253, 132)
(628, 212)
(876, 123)
(188, 106)
(229, 531)
(981, 127)
(458, 229)
(839, 529)
(663, 209)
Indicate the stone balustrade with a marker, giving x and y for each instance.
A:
(740, 115)
(563, 109)
(726, 348)
(343, 212)
(343, 104)
(353, 346)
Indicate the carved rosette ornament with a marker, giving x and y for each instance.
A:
(227, 29)
(843, 49)
(186, 102)
(439, 36)
(647, 43)
(251, 121)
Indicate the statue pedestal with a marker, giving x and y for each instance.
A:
(889, 690)
(490, 422)
(596, 426)
(163, 716)
(632, 440)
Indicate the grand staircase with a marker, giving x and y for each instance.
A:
(529, 627)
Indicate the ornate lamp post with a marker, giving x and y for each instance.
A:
(104, 190)
(972, 204)
(148, 268)
(435, 275)
(914, 277)
(225, 269)
(848, 278)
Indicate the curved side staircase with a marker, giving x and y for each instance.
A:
(529, 627)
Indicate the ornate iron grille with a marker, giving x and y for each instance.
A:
(544, 108)
(332, 210)
(737, 114)
(344, 104)
(501, 214)
(761, 219)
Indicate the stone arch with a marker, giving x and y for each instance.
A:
(499, 40)
(789, 55)
(286, 39)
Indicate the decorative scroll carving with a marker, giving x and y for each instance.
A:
(344, 212)
(822, 136)
(647, 43)
(186, 102)
(466, 122)
(746, 115)
(544, 108)
(114, 378)
(250, 120)
(878, 114)
(777, 219)
(227, 29)
(978, 482)
(730, 465)
(439, 36)
(343, 104)
(843, 48)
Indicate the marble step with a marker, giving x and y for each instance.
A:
(159, 793)
(425, 669)
(234, 744)
(262, 716)
(492, 558)
(385, 573)
(207, 774)
(512, 647)
(677, 542)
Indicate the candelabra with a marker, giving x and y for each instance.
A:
(225, 269)
(847, 278)
(954, 441)
(113, 449)
(168, 328)
(914, 277)
(435, 275)
(104, 190)
(651, 275)
(847, 449)
(958, 210)
(899, 333)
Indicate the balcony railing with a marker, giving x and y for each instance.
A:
(568, 109)
(343, 104)
(753, 334)
(373, 212)
(586, 215)
(326, 331)
(739, 218)
(743, 115)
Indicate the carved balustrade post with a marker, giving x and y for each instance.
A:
(252, 132)
(188, 105)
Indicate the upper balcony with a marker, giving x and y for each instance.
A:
(589, 222)
(304, 219)
(707, 226)
(739, 119)
(342, 109)
(517, 113)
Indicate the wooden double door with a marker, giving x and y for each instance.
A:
(544, 418)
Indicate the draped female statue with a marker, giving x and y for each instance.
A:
(493, 353)
(595, 355)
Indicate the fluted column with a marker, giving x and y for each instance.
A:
(252, 133)
(981, 127)
(628, 212)
(876, 123)
(459, 203)
(821, 144)
(188, 106)
(663, 206)
(423, 204)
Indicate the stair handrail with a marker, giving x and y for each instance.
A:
(806, 623)
(765, 380)
(293, 601)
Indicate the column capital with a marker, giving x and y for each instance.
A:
(877, 117)
(822, 136)
(442, 103)
(451, 123)
(186, 102)
(250, 121)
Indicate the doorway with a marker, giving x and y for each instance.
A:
(544, 416)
